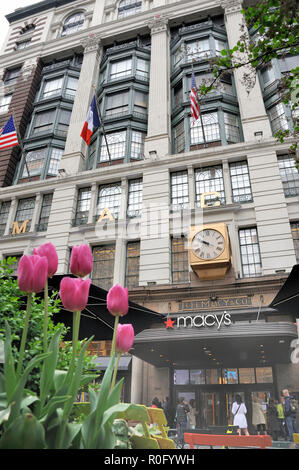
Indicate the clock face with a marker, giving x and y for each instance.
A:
(208, 244)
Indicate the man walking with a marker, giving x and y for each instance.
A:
(181, 418)
(290, 411)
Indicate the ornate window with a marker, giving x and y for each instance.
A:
(103, 266)
(210, 132)
(4, 211)
(209, 179)
(73, 24)
(132, 265)
(116, 144)
(128, 8)
(109, 198)
(179, 261)
(250, 252)
(240, 181)
(120, 69)
(83, 206)
(134, 198)
(45, 213)
(278, 118)
(25, 211)
(4, 103)
(289, 175)
(179, 190)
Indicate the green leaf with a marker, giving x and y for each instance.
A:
(48, 370)
(9, 368)
(26, 432)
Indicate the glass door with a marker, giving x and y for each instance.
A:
(210, 409)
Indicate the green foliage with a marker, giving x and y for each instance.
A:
(37, 400)
(12, 308)
(274, 31)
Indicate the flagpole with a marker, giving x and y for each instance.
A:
(102, 122)
(20, 143)
(200, 115)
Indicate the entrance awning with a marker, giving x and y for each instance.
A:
(241, 344)
(95, 318)
(101, 363)
(287, 299)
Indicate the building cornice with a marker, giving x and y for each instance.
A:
(39, 7)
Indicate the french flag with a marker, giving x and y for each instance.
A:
(92, 121)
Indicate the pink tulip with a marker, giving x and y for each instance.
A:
(32, 273)
(124, 338)
(48, 250)
(74, 293)
(118, 300)
(81, 260)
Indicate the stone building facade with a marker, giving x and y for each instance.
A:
(137, 56)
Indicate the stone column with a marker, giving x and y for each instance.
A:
(11, 216)
(158, 132)
(155, 241)
(60, 221)
(226, 182)
(252, 110)
(191, 187)
(98, 13)
(36, 212)
(93, 202)
(120, 242)
(73, 160)
(137, 381)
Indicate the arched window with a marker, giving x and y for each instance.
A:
(73, 24)
(128, 7)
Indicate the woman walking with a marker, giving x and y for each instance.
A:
(239, 411)
(258, 416)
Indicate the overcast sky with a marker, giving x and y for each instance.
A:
(9, 7)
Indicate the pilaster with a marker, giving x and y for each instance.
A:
(73, 160)
(159, 91)
(252, 110)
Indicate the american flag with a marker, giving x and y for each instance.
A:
(8, 135)
(195, 112)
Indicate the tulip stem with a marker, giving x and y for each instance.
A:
(115, 371)
(46, 305)
(114, 336)
(76, 326)
(24, 334)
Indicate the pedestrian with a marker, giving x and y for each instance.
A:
(272, 420)
(239, 411)
(281, 419)
(258, 416)
(156, 403)
(290, 412)
(182, 411)
(169, 412)
(192, 414)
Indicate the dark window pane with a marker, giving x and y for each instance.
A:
(103, 266)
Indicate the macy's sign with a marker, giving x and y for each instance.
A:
(199, 321)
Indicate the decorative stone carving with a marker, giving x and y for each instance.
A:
(157, 24)
(28, 67)
(231, 6)
(91, 43)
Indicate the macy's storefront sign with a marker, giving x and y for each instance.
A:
(199, 321)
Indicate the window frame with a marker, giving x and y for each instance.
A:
(43, 226)
(211, 186)
(184, 272)
(131, 275)
(257, 273)
(67, 25)
(238, 199)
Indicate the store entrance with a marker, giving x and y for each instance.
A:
(214, 404)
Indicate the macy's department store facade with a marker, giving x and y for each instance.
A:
(212, 346)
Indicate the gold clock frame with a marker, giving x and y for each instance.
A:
(215, 268)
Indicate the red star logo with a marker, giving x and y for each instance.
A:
(169, 323)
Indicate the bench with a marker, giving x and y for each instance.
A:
(227, 440)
